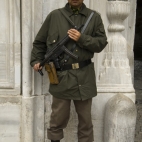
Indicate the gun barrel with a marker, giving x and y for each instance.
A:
(70, 53)
(62, 42)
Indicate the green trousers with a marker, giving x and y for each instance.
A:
(60, 117)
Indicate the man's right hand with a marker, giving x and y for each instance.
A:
(36, 67)
(74, 34)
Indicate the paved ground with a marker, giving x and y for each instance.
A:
(138, 88)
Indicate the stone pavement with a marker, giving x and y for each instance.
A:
(138, 89)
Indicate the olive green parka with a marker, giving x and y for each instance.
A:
(77, 84)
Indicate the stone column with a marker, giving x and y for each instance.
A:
(120, 119)
(27, 103)
(26, 47)
(115, 77)
(32, 99)
(115, 72)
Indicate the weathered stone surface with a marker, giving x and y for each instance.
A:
(115, 75)
(10, 119)
(120, 119)
(10, 68)
(33, 119)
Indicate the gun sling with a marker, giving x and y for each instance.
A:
(82, 31)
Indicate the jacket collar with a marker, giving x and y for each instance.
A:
(82, 10)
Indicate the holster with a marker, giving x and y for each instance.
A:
(52, 74)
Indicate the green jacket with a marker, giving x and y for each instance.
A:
(74, 84)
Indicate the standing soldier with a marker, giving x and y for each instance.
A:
(76, 76)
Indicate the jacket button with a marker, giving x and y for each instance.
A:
(54, 41)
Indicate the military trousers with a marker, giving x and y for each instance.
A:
(60, 116)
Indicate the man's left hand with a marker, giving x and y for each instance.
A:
(74, 34)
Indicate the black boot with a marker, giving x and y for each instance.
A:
(55, 141)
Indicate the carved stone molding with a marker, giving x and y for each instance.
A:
(117, 12)
(120, 119)
(115, 73)
(10, 47)
(26, 47)
(7, 45)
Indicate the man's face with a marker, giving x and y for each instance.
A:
(75, 3)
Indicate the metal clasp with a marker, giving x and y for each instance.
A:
(75, 66)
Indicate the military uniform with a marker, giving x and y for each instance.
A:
(74, 84)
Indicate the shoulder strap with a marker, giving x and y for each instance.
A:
(82, 31)
(87, 22)
(66, 16)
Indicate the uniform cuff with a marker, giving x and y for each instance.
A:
(33, 63)
(81, 40)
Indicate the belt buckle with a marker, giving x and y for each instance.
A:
(75, 66)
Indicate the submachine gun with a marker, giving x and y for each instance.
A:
(56, 51)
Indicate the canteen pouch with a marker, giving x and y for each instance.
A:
(52, 74)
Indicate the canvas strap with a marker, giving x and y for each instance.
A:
(82, 30)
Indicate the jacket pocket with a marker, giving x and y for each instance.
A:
(61, 75)
(52, 39)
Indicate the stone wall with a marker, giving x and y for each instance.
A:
(25, 103)
(10, 71)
